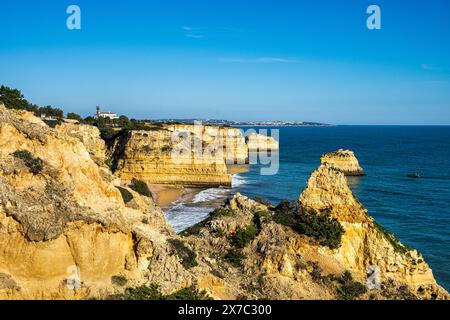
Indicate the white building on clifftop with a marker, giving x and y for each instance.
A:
(105, 115)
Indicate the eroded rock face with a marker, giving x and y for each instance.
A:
(65, 231)
(150, 156)
(281, 263)
(344, 160)
(365, 244)
(64, 218)
(260, 142)
(232, 140)
(89, 136)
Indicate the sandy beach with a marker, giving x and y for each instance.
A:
(166, 196)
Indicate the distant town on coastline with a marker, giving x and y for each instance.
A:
(14, 99)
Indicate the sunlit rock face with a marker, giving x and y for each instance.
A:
(232, 140)
(365, 245)
(64, 228)
(66, 231)
(345, 161)
(260, 142)
(155, 156)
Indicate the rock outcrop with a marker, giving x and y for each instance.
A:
(64, 220)
(155, 156)
(345, 161)
(260, 142)
(89, 136)
(67, 233)
(365, 244)
(232, 140)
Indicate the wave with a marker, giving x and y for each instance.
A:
(210, 194)
(217, 193)
(238, 181)
(183, 216)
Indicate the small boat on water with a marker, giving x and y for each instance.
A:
(414, 175)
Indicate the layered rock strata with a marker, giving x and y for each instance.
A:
(260, 142)
(157, 156)
(232, 140)
(344, 160)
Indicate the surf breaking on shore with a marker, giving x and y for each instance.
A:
(195, 205)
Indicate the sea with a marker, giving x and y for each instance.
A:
(416, 211)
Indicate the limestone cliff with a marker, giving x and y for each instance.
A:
(232, 140)
(67, 233)
(59, 214)
(89, 136)
(149, 155)
(261, 142)
(365, 244)
(345, 161)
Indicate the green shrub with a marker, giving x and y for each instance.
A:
(140, 187)
(221, 212)
(244, 236)
(285, 219)
(287, 206)
(216, 214)
(152, 292)
(36, 165)
(235, 257)
(320, 226)
(188, 294)
(126, 195)
(349, 289)
(74, 116)
(188, 256)
(285, 213)
(398, 246)
(119, 280)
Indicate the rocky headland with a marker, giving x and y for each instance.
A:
(70, 229)
(344, 160)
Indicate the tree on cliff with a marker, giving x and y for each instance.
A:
(50, 111)
(74, 116)
(14, 99)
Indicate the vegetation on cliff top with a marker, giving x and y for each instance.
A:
(14, 99)
(244, 236)
(216, 214)
(36, 165)
(396, 244)
(152, 292)
(318, 225)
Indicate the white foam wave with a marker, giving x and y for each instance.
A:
(238, 181)
(182, 216)
(209, 195)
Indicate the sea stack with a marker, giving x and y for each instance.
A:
(345, 161)
(260, 142)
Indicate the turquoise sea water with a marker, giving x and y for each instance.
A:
(416, 211)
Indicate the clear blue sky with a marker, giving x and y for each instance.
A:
(234, 59)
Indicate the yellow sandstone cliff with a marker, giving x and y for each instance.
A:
(232, 140)
(67, 233)
(155, 156)
(344, 160)
(260, 142)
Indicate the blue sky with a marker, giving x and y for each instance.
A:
(233, 59)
